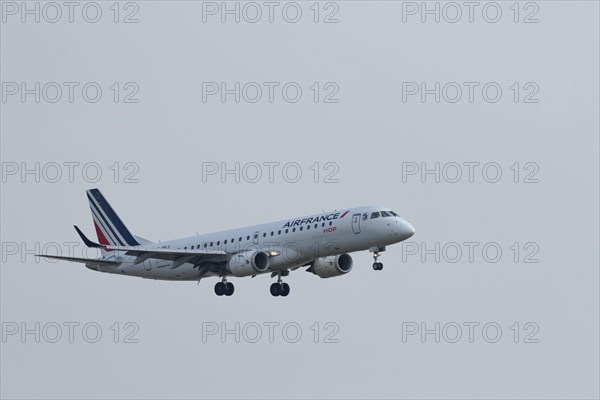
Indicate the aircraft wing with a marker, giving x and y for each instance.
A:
(178, 256)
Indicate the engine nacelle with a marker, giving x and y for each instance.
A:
(327, 267)
(248, 263)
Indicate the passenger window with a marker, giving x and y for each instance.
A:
(279, 232)
(323, 225)
(205, 244)
(211, 243)
(287, 230)
(265, 234)
(225, 241)
(307, 227)
(316, 225)
(185, 248)
(375, 215)
(248, 237)
(240, 239)
(294, 230)
(300, 228)
(330, 223)
(218, 242)
(272, 233)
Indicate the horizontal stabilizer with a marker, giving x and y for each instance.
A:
(87, 261)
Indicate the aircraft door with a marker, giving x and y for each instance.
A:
(255, 238)
(356, 223)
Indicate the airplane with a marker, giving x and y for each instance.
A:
(320, 242)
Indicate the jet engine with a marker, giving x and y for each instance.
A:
(248, 263)
(327, 267)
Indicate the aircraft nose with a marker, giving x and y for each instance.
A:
(406, 229)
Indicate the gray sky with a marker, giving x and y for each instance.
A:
(368, 130)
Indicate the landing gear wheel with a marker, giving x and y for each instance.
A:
(377, 266)
(284, 289)
(275, 289)
(220, 289)
(229, 289)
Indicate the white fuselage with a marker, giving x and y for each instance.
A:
(291, 243)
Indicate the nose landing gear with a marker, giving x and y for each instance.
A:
(377, 266)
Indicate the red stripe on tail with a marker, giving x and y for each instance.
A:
(101, 237)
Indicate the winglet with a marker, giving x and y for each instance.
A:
(87, 241)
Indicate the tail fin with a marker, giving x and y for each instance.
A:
(109, 227)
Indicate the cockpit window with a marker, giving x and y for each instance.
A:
(385, 214)
(375, 215)
(394, 214)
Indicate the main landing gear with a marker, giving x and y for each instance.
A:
(377, 266)
(280, 288)
(224, 288)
